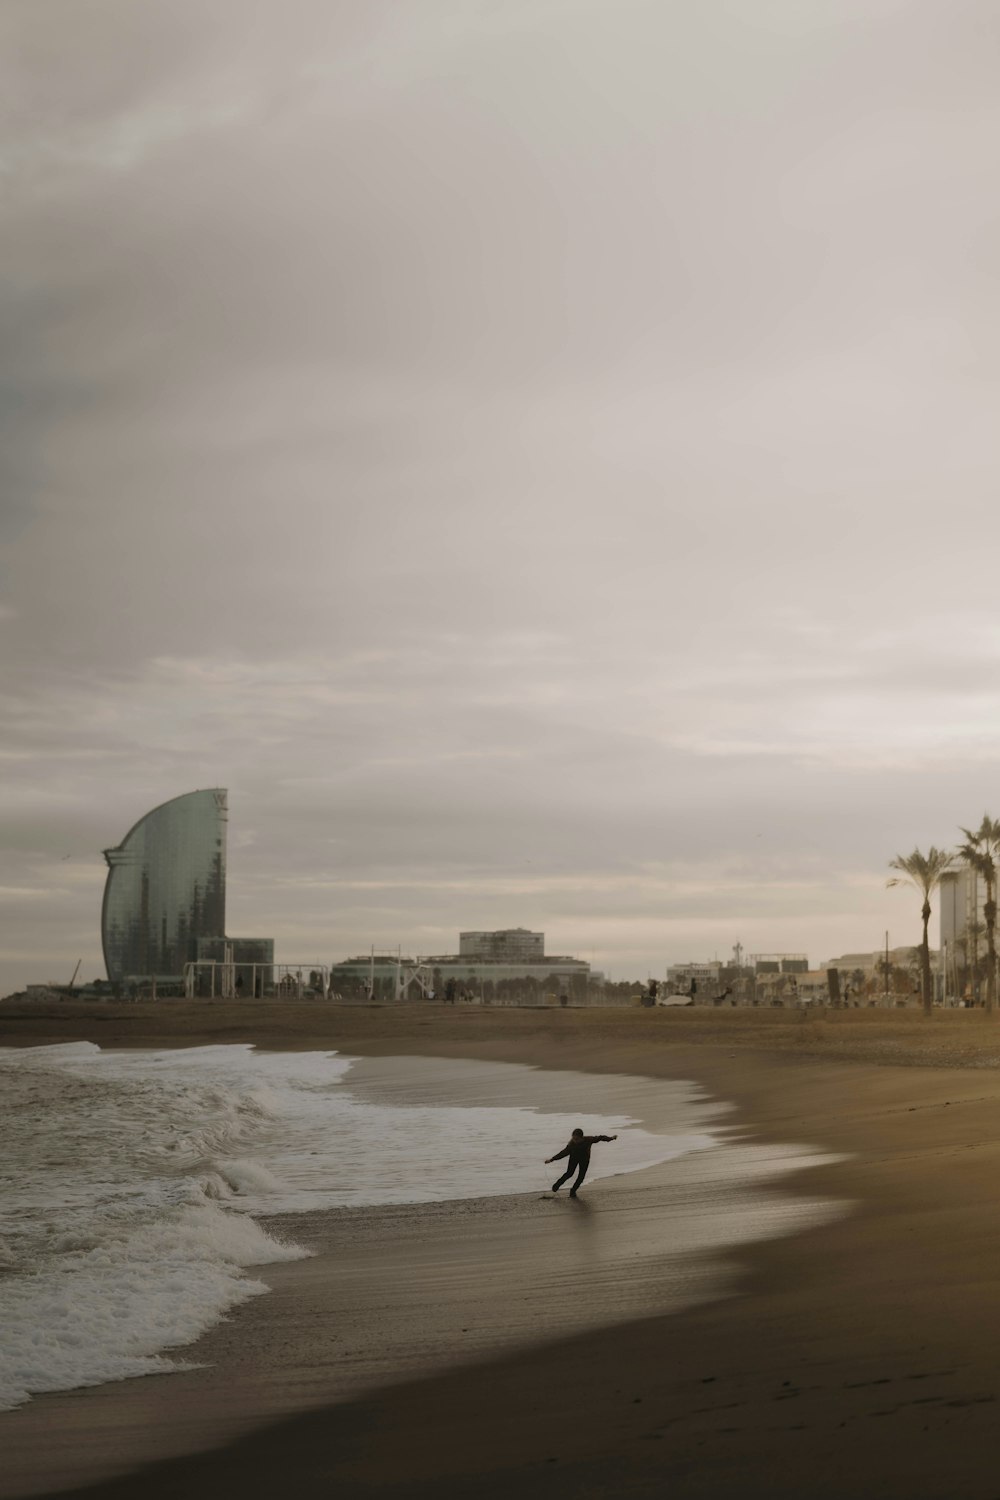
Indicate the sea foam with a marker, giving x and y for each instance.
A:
(134, 1184)
(117, 1243)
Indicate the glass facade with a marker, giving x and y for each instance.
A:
(509, 945)
(166, 887)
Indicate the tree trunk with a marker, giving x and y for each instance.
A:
(925, 961)
(990, 916)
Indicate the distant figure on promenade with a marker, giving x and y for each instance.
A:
(577, 1148)
(449, 992)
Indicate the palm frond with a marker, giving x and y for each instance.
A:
(924, 871)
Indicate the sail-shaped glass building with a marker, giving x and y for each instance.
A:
(166, 887)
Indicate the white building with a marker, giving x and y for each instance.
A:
(679, 976)
(961, 902)
(511, 945)
(489, 964)
(961, 898)
(873, 962)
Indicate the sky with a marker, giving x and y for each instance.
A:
(539, 455)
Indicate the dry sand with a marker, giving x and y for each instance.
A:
(857, 1359)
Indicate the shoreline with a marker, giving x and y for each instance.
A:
(854, 1359)
(412, 1289)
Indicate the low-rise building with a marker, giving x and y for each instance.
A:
(245, 967)
(780, 963)
(679, 976)
(874, 961)
(476, 973)
(805, 987)
(510, 959)
(381, 976)
(559, 974)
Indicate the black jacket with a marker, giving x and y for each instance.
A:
(579, 1151)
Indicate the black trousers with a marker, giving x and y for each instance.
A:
(580, 1170)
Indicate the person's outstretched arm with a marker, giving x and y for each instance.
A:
(563, 1152)
(603, 1138)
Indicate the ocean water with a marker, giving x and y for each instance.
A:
(136, 1187)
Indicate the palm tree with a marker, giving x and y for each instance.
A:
(923, 872)
(980, 853)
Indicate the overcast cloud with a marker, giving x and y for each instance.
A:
(539, 455)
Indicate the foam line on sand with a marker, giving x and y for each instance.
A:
(855, 1358)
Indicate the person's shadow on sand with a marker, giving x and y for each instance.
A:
(580, 1206)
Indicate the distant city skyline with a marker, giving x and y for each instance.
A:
(540, 457)
(473, 943)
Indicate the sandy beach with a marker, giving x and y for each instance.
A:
(473, 1348)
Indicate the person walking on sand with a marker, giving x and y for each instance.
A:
(577, 1148)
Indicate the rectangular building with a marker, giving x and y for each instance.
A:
(679, 976)
(510, 945)
(961, 898)
(780, 963)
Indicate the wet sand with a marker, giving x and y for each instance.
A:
(852, 1359)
